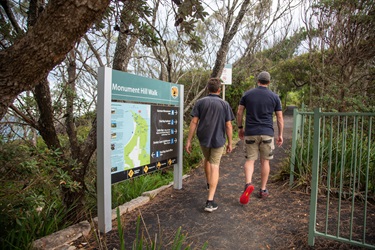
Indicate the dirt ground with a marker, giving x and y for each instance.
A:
(278, 222)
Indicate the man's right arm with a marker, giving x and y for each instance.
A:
(192, 128)
(239, 118)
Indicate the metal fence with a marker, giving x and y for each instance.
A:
(336, 152)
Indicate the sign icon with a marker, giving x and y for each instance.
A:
(145, 169)
(174, 92)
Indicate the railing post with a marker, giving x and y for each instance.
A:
(315, 174)
(294, 146)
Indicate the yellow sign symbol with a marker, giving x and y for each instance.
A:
(174, 91)
(145, 169)
(158, 165)
(131, 173)
(169, 162)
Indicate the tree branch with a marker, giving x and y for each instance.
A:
(24, 117)
(12, 19)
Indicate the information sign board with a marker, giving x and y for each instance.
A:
(144, 133)
(138, 132)
(144, 138)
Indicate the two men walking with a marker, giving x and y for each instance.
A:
(212, 118)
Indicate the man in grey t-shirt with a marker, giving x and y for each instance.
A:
(260, 104)
(212, 119)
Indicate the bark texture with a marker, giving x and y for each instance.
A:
(45, 45)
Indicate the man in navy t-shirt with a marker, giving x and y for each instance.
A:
(260, 103)
(212, 119)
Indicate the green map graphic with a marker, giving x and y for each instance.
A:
(135, 151)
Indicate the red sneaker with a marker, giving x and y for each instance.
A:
(245, 197)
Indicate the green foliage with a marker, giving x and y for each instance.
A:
(193, 82)
(148, 37)
(31, 206)
(34, 224)
(344, 64)
(127, 190)
(120, 230)
(193, 159)
(302, 166)
(294, 98)
(195, 43)
(346, 156)
(192, 9)
(293, 75)
(133, 20)
(240, 84)
(286, 48)
(30, 197)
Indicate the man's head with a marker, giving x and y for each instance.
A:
(213, 85)
(264, 78)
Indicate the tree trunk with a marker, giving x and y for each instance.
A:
(45, 45)
(123, 52)
(70, 95)
(124, 46)
(46, 125)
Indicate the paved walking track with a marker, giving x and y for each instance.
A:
(232, 226)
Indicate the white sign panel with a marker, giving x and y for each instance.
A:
(226, 76)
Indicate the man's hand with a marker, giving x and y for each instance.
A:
(279, 141)
(241, 133)
(188, 147)
(229, 148)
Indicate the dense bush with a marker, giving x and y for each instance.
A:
(30, 203)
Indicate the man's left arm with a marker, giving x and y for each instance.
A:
(280, 126)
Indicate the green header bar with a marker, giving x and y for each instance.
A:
(129, 87)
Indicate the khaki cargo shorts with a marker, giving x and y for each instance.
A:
(213, 155)
(259, 144)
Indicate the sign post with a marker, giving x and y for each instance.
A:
(104, 150)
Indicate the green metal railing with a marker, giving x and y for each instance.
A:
(337, 151)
